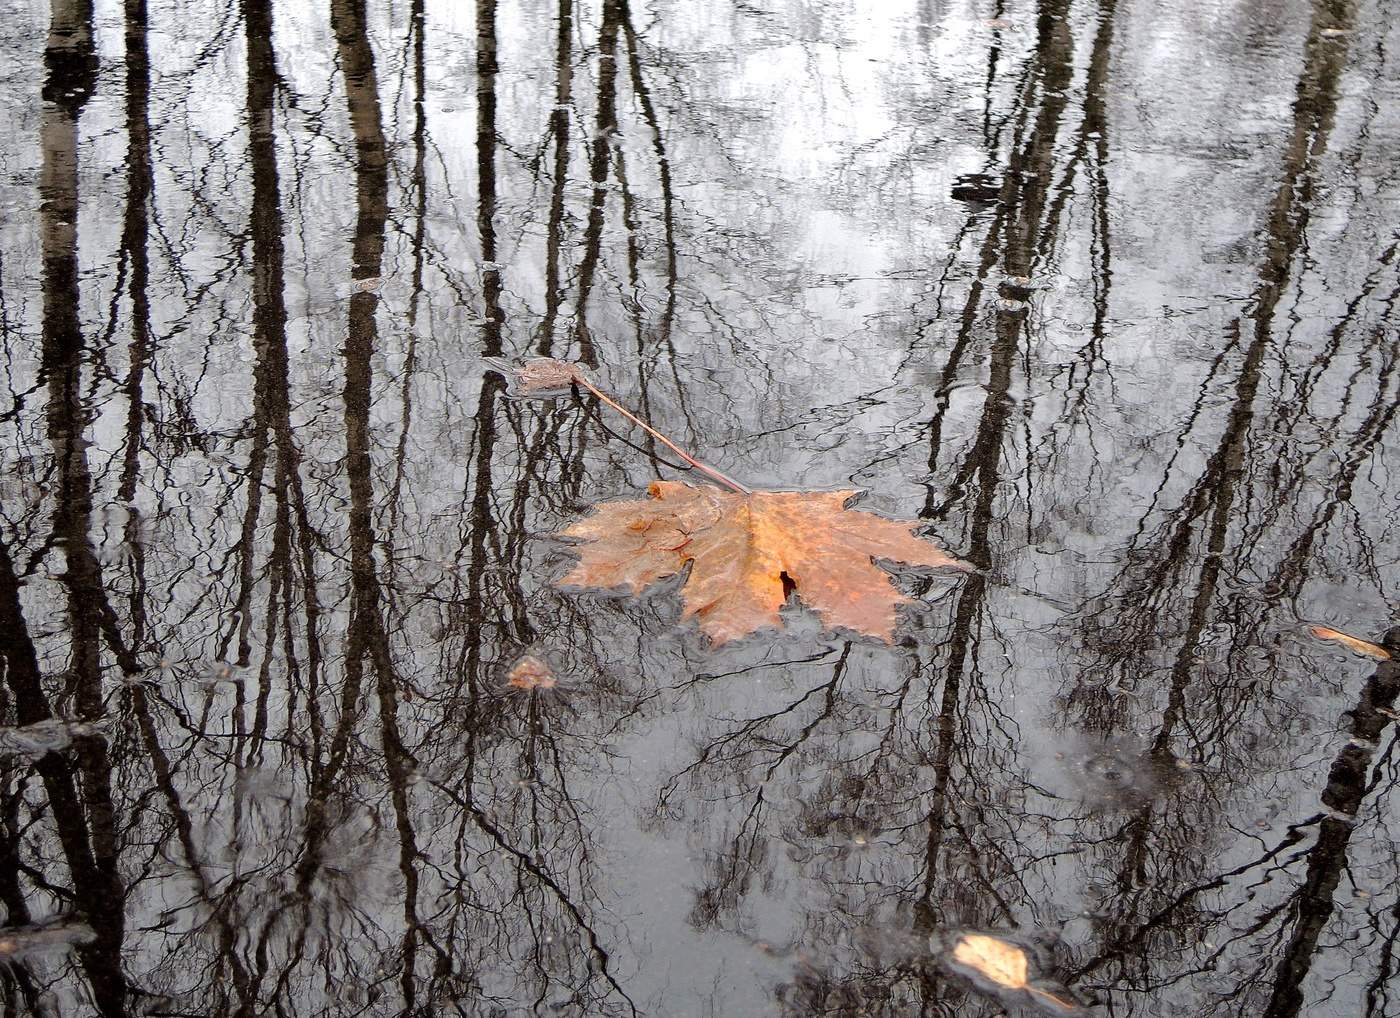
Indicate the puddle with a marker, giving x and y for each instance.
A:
(1098, 297)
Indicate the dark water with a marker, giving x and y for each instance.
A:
(273, 533)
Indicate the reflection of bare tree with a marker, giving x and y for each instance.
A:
(1172, 620)
(486, 69)
(1027, 237)
(135, 259)
(603, 141)
(27, 704)
(925, 764)
(1348, 782)
(294, 575)
(365, 638)
(80, 790)
(559, 131)
(262, 776)
(1273, 982)
(1023, 231)
(92, 848)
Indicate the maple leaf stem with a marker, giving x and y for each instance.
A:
(704, 468)
(1046, 995)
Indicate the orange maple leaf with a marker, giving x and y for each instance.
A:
(748, 550)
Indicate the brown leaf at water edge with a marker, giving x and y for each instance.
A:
(1004, 964)
(748, 550)
(1352, 643)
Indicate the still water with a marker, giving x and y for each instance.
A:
(1101, 292)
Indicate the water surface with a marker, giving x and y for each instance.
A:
(1102, 292)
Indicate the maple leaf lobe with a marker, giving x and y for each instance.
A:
(741, 548)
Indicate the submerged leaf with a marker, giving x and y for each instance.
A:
(539, 376)
(42, 737)
(748, 550)
(18, 942)
(531, 672)
(1351, 643)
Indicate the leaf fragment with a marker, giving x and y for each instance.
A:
(1352, 643)
(746, 551)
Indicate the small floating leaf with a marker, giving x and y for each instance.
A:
(1003, 964)
(531, 672)
(999, 961)
(1021, 287)
(1352, 643)
(976, 188)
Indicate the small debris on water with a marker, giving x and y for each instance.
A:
(531, 673)
(537, 377)
(43, 737)
(976, 188)
(19, 942)
(1003, 965)
(221, 672)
